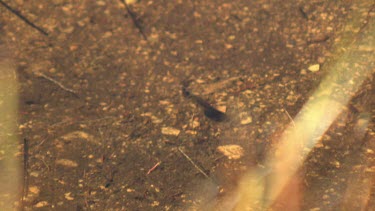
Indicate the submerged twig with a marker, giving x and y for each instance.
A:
(291, 119)
(134, 19)
(18, 14)
(153, 168)
(57, 83)
(219, 85)
(192, 162)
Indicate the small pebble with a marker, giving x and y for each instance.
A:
(314, 68)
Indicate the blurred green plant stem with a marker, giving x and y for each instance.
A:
(10, 174)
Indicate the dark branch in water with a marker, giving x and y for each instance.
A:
(18, 14)
(134, 18)
(303, 13)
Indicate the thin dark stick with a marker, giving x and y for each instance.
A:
(368, 17)
(303, 13)
(134, 18)
(18, 14)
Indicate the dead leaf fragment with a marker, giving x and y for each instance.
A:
(154, 119)
(67, 163)
(41, 204)
(155, 204)
(195, 124)
(231, 151)
(222, 108)
(34, 190)
(68, 196)
(170, 131)
(246, 120)
(75, 135)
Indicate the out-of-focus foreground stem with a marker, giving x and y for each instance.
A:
(353, 62)
(10, 166)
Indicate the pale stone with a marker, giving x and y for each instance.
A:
(314, 68)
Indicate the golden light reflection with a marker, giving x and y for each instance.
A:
(263, 188)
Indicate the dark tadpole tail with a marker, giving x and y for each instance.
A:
(215, 114)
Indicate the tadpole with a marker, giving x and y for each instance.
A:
(208, 110)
